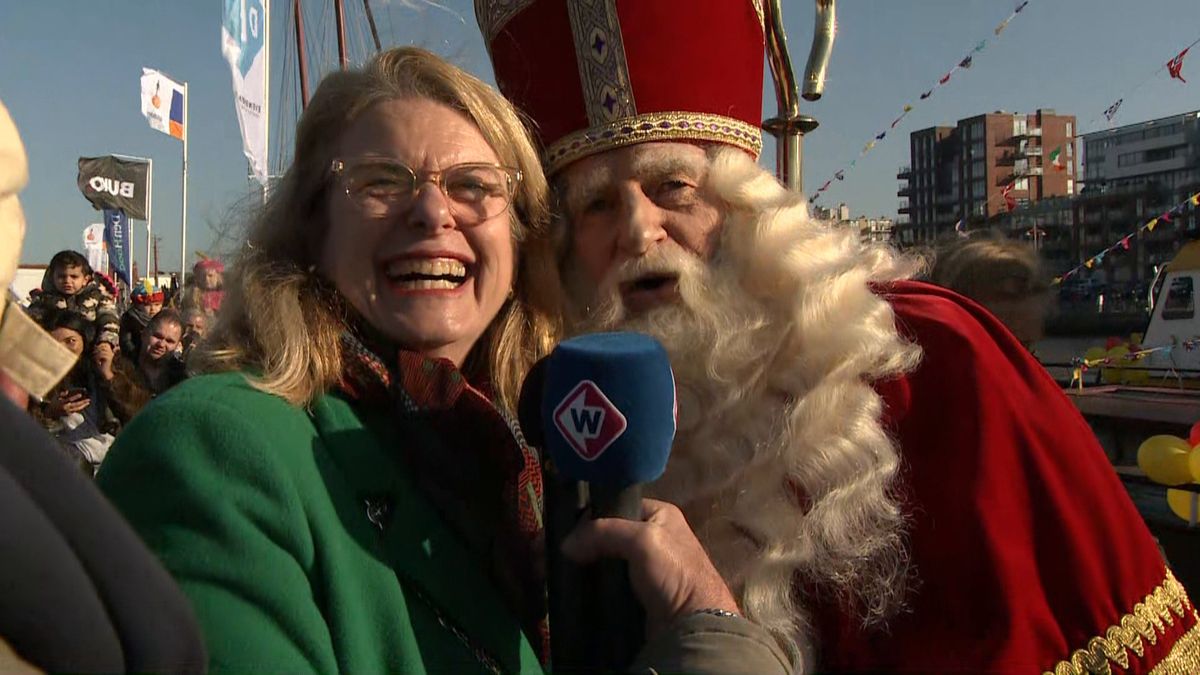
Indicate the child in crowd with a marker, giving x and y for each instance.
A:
(207, 290)
(69, 285)
(146, 301)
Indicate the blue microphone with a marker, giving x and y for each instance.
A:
(602, 408)
(608, 410)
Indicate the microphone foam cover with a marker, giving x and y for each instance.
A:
(608, 408)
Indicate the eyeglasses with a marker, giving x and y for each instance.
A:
(382, 188)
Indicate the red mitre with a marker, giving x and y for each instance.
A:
(603, 74)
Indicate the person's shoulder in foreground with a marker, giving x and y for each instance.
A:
(101, 602)
(1030, 554)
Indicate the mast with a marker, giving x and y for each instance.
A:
(339, 13)
(371, 23)
(302, 53)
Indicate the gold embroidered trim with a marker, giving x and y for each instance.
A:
(664, 126)
(1149, 619)
(1184, 658)
(600, 58)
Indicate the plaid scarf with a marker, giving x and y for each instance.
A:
(491, 496)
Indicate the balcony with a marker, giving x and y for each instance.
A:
(904, 191)
(904, 208)
(1027, 172)
(1006, 159)
(1015, 139)
(904, 172)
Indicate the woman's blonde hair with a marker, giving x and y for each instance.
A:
(989, 268)
(283, 324)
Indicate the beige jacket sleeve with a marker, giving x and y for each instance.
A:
(700, 644)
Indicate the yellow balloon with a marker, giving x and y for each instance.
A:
(1095, 353)
(1194, 463)
(1180, 502)
(1165, 459)
(1114, 372)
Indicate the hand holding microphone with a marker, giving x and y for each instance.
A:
(669, 570)
(602, 407)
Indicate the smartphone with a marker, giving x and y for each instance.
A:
(75, 391)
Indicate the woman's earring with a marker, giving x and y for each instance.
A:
(512, 293)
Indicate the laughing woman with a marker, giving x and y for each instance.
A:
(345, 490)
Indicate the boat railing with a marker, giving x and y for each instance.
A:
(1169, 377)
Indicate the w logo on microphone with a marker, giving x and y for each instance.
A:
(588, 420)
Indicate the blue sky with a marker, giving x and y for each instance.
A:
(69, 72)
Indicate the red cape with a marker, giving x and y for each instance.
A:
(1029, 555)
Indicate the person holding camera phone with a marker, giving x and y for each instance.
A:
(76, 412)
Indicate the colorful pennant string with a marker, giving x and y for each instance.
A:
(1175, 65)
(1123, 243)
(1174, 68)
(1081, 365)
(962, 64)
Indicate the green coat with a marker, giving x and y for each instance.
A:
(258, 508)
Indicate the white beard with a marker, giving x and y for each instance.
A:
(780, 464)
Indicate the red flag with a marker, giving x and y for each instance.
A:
(1009, 200)
(1125, 243)
(945, 78)
(1176, 64)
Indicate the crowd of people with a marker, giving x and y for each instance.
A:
(123, 362)
(870, 473)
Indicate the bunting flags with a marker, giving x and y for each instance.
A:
(964, 63)
(1175, 65)
(1111, 111)
(1174, 68)
(1123, 243)
(903, 114)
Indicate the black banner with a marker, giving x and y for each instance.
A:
(111, 183)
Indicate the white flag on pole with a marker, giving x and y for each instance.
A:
(93, 246)
(162, 103)
(243, 34)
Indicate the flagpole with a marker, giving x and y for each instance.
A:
(266, 28)
(183, 216)
(149, 208)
